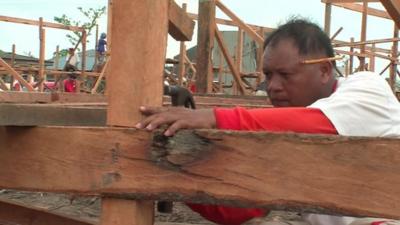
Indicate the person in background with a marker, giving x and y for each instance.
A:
(101, 48)
(72, 64)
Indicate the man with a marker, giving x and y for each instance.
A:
(308, 99)
(101, 48)
(72, 64)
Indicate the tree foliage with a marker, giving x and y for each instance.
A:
(91, 15)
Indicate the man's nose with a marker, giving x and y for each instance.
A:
(274, 84)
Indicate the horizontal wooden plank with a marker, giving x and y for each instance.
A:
(352, 176)
(56, 97)
(48, 114)
(36, 23)
(12, 213)
(180, 25)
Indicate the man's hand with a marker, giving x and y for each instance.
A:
(176, 118)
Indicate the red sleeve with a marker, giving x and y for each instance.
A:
(296, 119)
(299, 119)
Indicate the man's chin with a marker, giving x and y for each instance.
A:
(280, 103)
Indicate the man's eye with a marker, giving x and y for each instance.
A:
(268, 75)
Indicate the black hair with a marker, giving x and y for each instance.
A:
(307, 36)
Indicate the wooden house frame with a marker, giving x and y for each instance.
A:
(131, 168)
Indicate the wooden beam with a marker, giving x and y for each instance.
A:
(182, 53)
(359, 8)
(240, 23)
(205, 44)
(17, 213)
(100, 78)
(95, 99)
(16, 75)
(393, 66)
(125, 91)
(42, 44)
(349, 1)
(327, 22)
(229, 60)
(52, 115)
(282, 171)
(363, 36)
(393, 8)
(231, 23)
(36, 23)
(180, 25)
(109, 25)
(359, 43)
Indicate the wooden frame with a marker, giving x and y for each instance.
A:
(131, 168)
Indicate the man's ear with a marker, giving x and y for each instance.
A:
(326, 71)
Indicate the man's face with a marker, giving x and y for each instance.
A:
(289, 82)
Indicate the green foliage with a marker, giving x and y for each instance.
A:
(91, 15)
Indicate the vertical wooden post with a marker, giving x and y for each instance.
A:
(328, 13)
(205, 42)
(42, 37)
(137, 66)
(182, 52)
(363, 34)
(96, 55)
(109, 25)
(126, 212)
(57, 58)
(239, 52)
(260, 57)
(372, 59)
(83, 59)
(393, 65)
(220, 71)
(351, 65)
(138, 59)
(12, 65)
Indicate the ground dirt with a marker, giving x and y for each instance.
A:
(89, 208)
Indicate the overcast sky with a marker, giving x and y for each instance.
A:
(260, 12)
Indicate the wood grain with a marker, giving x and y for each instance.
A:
(330, 174)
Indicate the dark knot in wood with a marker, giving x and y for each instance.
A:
(185, 148)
